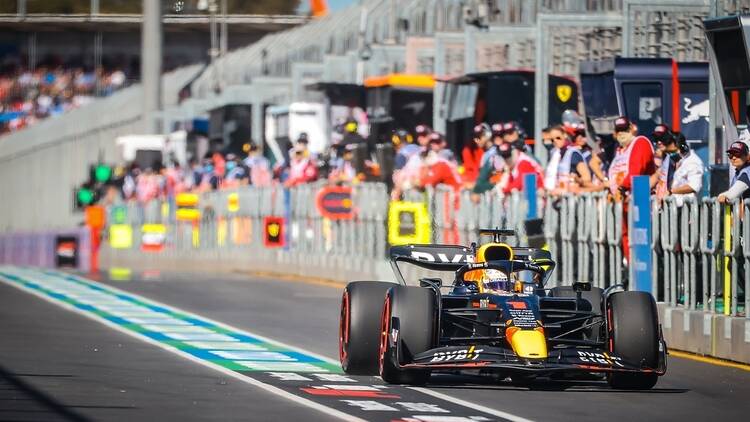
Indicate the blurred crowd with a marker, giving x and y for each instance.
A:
(27, 96)
(496, 159)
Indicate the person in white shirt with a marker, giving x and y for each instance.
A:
(688, 174)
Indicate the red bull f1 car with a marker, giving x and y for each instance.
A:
(495, 315)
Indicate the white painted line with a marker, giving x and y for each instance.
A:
(499, 413)
(300, 368)
(228, 372)
(209, 320)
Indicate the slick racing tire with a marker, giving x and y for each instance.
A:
(415, 309)
(592, 297)
(634, 336)
(359, 326)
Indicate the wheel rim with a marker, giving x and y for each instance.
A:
(344, 328)
(385, 322)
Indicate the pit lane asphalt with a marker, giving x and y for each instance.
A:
(306, 316)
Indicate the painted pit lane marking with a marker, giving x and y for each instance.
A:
(270, 365)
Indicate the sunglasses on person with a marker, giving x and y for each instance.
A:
(732, 154)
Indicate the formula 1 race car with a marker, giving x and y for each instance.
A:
(497, 317)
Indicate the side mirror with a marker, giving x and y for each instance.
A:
(431, 282)
(582, 286)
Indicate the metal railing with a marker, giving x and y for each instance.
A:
(699, 258)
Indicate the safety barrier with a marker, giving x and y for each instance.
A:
(698, 257)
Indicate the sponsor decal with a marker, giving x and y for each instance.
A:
(335, 202)
(408, 222)
(471, 353)
(600, 358)
(273, 232)
(153, 237)
(363, 391)
(66, 251)
(444, 258)
(564, 92)
(522, 318)
(517, 305)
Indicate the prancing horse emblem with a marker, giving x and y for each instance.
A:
(564, 92)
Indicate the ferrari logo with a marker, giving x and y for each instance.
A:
(273, 229)
(564, 92)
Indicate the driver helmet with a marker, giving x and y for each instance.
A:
(491, 280)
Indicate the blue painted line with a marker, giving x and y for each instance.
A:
(188, 333)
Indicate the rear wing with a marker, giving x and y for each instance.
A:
(448, 257)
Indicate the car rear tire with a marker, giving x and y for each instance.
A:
(633, 326)
(415, 309)
(359, 326)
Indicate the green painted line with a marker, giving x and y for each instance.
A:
(188, 333)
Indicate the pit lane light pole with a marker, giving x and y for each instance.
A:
(218, 41)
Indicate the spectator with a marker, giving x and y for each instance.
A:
(511, 132)
(351, 134)
(423, 135)
(635, 157)
(436, 170)
(258, 166)
(472, 153)
(237, 173)
(519, 165)
(556, 137)
(665, 145)
(492, 165)
(739, 158)
(302, 169)
(572, 170)
(688, 174)
(405, 148)
(437, 143)
(26, 96)
(345, 170)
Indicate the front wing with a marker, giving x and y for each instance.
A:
(567, 360)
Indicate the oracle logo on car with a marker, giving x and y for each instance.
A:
(463, 354)
(441, 257)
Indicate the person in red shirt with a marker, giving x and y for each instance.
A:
(519, 164)
(436, 170)
(471, 155)
(635, 157)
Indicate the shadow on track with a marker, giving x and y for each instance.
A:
(20, 400)
(468, 382)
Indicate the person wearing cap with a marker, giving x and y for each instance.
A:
(665, 145)
(472, 153)
(511, 132)
(739, 157)
(259, 168)
(423, 135)
(519, 164)
(688, 174)
(237, 173)
(437, 143)
(635, 157)
(404, 145)
(351, 134)
(436, 170)
(345, 170)
(572, 170)
(302, 168)
(491, 171)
